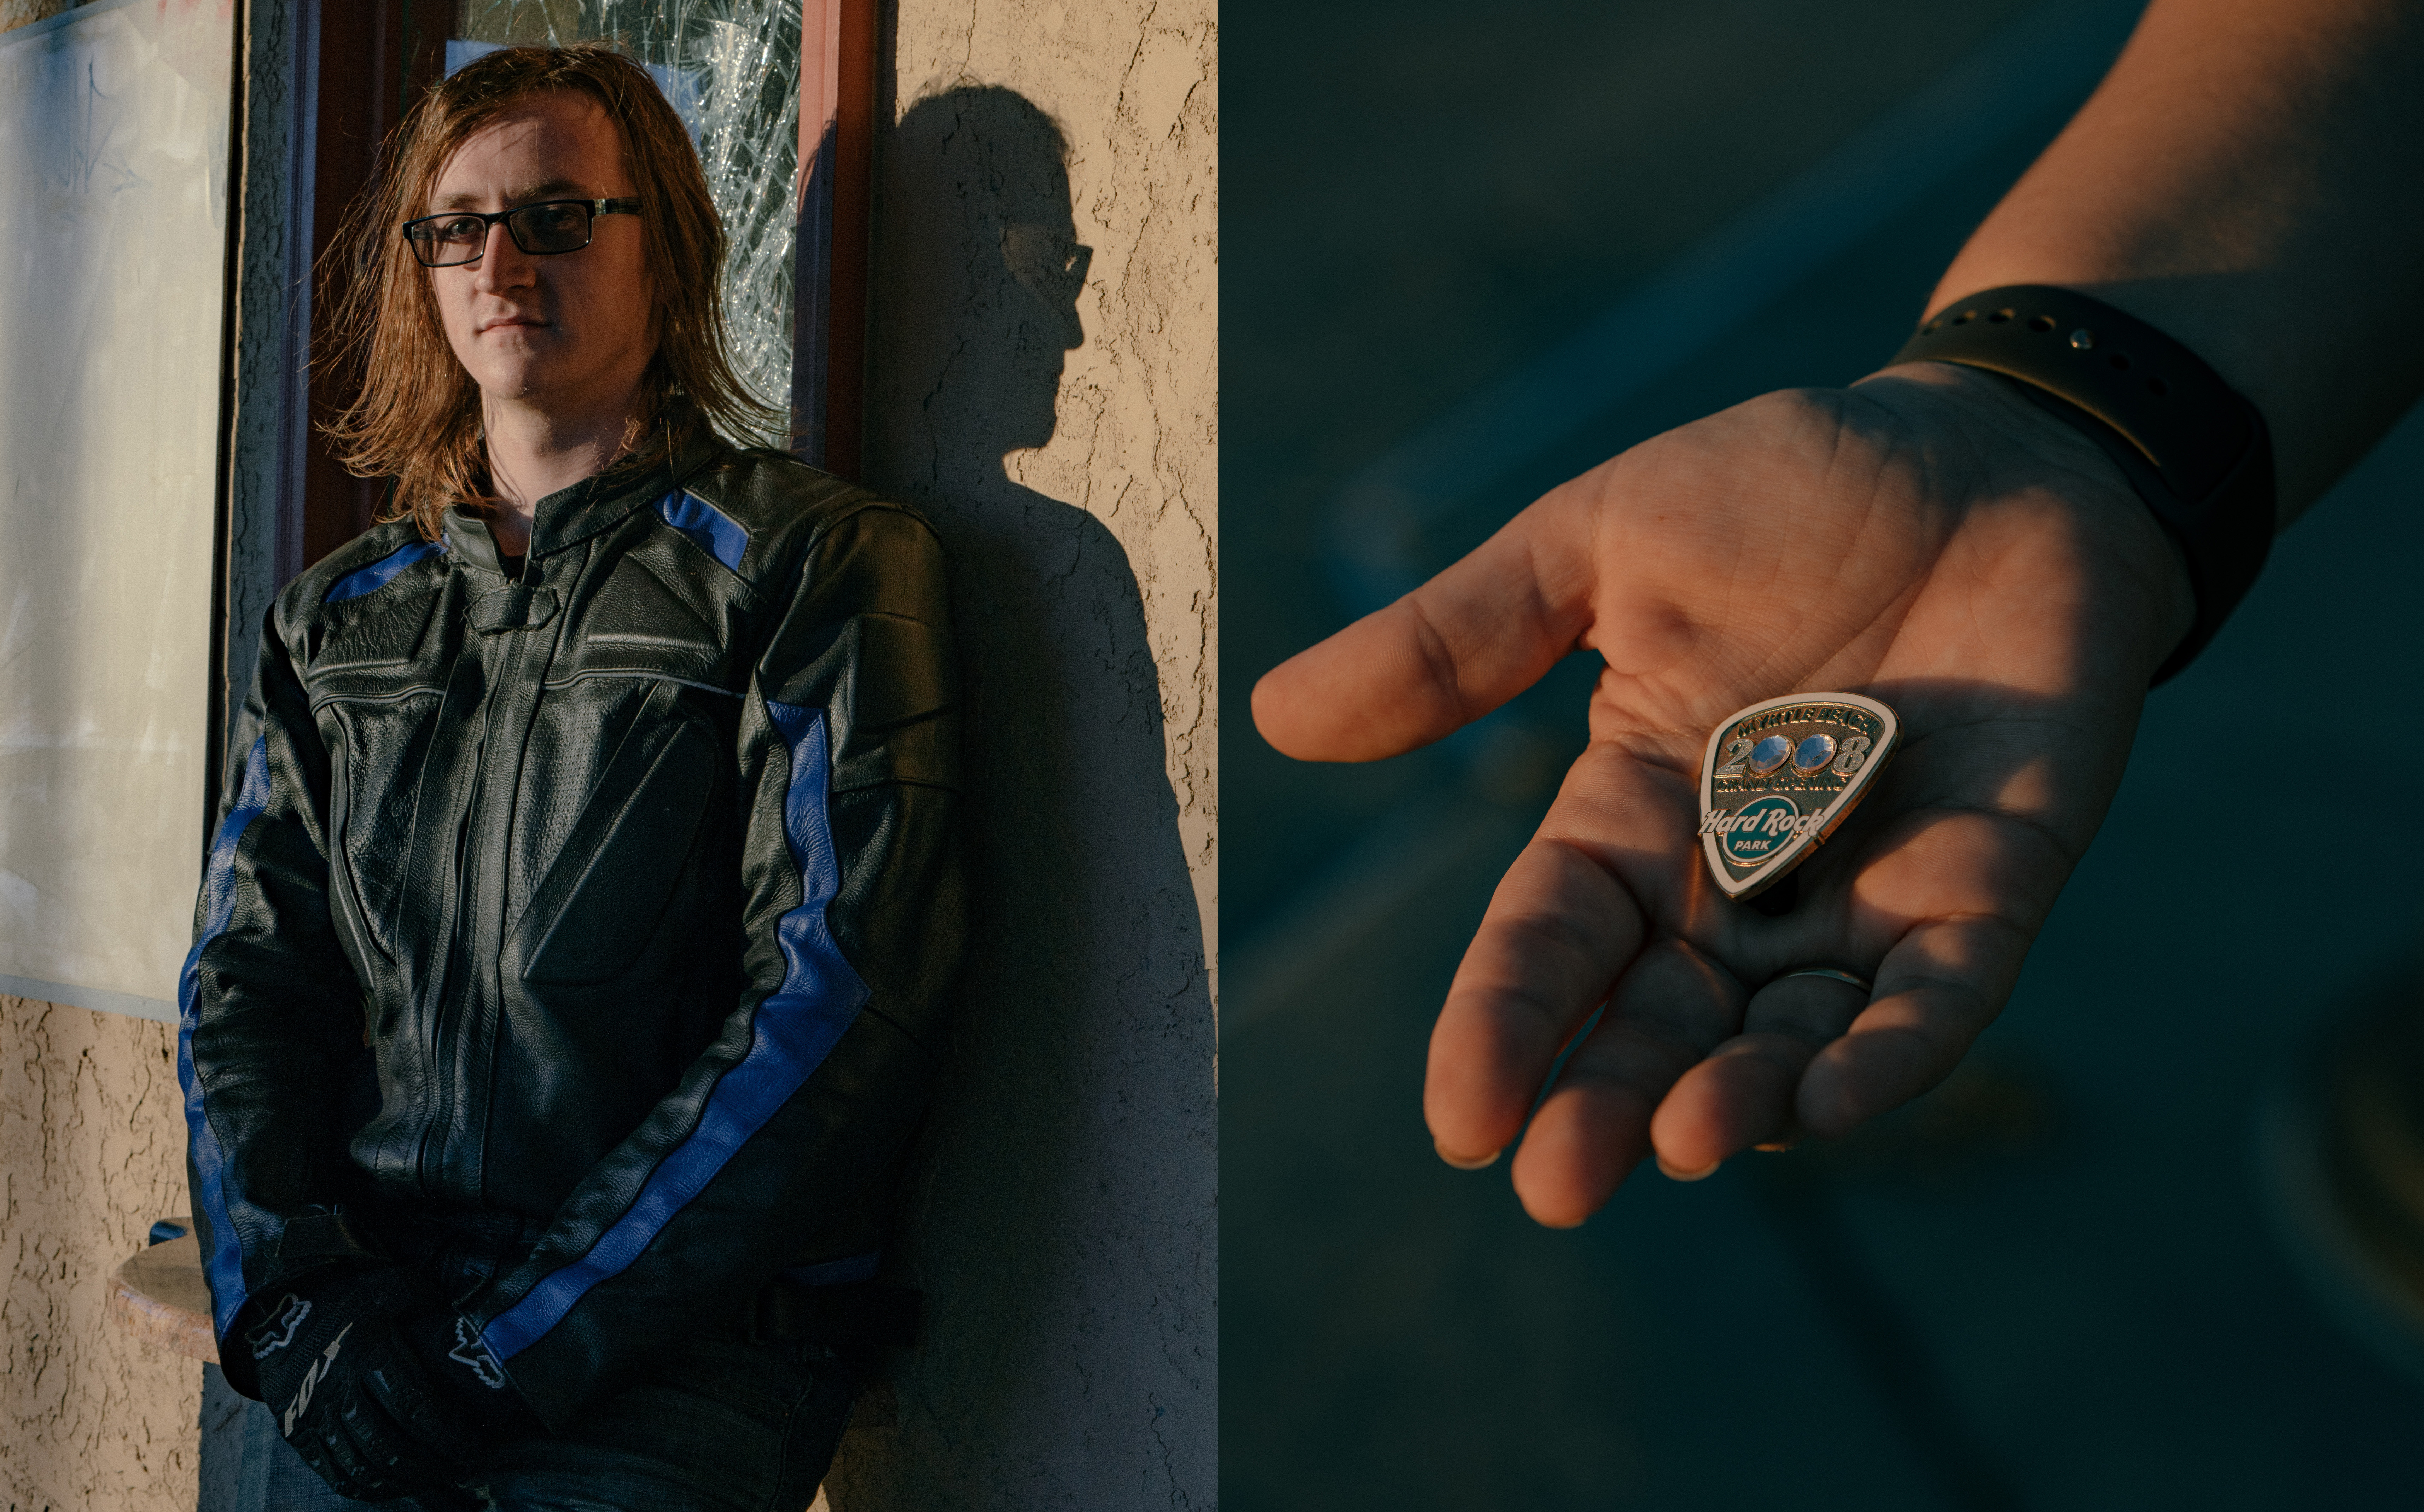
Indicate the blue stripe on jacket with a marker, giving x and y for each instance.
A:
(223, 1264)
(380, 573)
(795, 1027)
(716, 533)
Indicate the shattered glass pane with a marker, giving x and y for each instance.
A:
(731, 68)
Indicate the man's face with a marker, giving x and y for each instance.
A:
(564, 333)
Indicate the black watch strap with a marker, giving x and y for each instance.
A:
(2196, 451)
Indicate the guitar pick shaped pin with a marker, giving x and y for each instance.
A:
(1778, 777)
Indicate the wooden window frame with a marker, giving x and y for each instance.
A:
(838, 45)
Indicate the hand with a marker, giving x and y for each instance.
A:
(1927, 537)
(379, 1386)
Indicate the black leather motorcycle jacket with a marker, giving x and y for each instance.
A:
(624, 897)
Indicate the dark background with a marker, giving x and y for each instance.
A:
(2057, 1281)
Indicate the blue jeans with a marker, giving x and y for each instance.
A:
(728, 1424)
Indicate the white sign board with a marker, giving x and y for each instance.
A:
(114, 202)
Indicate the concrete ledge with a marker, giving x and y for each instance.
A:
(98, 999)
(159, 1296)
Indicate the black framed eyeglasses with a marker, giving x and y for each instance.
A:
(542, 230)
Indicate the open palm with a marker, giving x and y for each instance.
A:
(1926, 537)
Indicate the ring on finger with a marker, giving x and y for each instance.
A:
(1848, 978)
(1784, 1138)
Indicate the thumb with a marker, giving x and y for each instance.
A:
(1444, 655)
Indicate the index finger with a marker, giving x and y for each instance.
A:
(1446, 653)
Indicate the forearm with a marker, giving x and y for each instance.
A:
(2250, 177)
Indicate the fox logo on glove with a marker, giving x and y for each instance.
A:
(318, 1373)
(269, 1338)
(471, 1350)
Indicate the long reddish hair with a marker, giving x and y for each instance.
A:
(417, 413)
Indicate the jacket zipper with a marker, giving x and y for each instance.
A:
(455, 978)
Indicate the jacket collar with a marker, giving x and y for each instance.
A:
(467, 540)
(571, 515)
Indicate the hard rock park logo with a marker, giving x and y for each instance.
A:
(1762, 827)
(1778, 776)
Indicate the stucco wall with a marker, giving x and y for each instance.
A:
(92, 1151)
(16, 13)
(1062, 435)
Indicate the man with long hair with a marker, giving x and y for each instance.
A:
(576, 938)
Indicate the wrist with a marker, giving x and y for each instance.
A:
(2195, 451)
(1998, 445)
(262, 1336)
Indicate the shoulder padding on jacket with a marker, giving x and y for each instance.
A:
(365, 564)
(783, 504)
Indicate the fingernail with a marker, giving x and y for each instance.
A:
(1702, 1174)
(1466, 1162)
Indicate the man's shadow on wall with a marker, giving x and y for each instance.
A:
(1058, 1210)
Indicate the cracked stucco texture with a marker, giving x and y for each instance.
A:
(91, 1152)
(16, 13)
(1041, 383)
